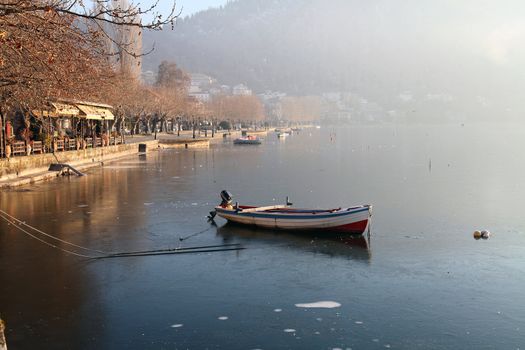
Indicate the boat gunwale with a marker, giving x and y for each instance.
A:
(282, 214)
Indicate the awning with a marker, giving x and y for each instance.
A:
(65, 110)
(95, 113)
(58, 110)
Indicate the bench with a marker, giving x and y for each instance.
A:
(60, 145)
(19, 147)
(89, 142)
(71, 144)
(98, 142)
(38, 147)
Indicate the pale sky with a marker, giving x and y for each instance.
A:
(188, 6)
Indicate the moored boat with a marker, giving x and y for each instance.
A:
(247, 140)
(351, 220)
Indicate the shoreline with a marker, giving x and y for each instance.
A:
(89, 159)
(27, 170)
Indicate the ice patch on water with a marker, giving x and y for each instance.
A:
(148, 203)
(277, 310)
(289, 330)
(132, 163)
(177, 325)
(358, 322)
(320, 305)
(223, 318)
(118, 167)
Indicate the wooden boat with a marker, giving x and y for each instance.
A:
(352, 220)
(247, 140)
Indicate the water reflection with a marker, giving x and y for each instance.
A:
(354, 247)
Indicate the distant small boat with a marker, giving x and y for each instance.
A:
(352, 220)
(283, 134)
(247, 140)
(318, 126)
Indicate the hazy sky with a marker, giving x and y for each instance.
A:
(188, 6)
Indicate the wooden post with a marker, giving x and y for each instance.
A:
(2, 134)
(3, 342)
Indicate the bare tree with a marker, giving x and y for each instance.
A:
(52, 49)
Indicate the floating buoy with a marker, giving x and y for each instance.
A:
(477, 234)
(485, 234)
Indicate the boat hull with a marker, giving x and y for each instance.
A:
(345, 220)
(247, 142)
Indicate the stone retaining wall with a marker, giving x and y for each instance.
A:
(21, 166)
(184, 143)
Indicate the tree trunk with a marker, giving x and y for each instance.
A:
(3, 342)
(2, 134)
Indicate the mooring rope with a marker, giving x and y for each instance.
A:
(51, 236)
(43, 241)
(19, 224)
(195, 234)
(176, 249)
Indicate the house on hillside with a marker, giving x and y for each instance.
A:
(241, 90)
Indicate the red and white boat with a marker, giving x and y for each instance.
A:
(351, 220)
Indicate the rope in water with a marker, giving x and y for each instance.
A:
(19, 224)
(173, 251)
(195, 234)
(43, 241)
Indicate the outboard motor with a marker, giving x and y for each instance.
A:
(226, 198)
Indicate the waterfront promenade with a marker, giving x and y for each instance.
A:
(24, 170)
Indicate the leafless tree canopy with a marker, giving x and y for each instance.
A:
(65, 48)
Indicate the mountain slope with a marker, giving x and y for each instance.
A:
(377, 48)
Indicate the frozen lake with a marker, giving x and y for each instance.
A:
(419, 282)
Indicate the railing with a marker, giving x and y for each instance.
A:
(19, 148)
